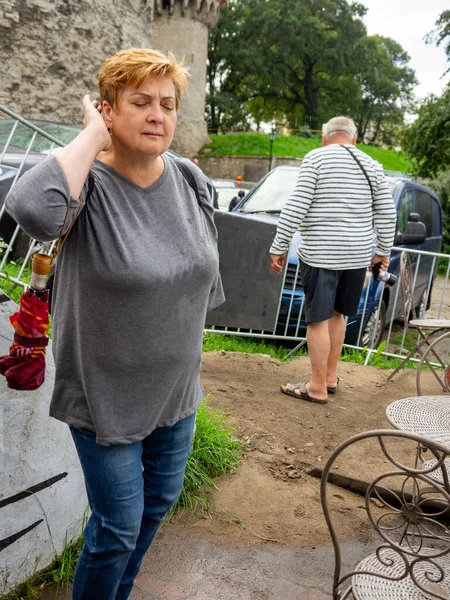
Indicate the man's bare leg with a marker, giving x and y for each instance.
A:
(319, 345)
(336, 329)
(325, 341)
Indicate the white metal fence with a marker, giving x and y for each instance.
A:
(381, 316)
(22, 145)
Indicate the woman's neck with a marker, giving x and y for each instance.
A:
(141, 169)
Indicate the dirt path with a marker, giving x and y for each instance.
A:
(272, 495)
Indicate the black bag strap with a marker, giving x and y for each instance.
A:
(91, 185)
(51, 279)
(360, 165)
(62, 238)
(187, 174)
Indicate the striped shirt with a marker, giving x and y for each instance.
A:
(333, 208)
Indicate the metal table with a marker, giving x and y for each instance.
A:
(428, 416)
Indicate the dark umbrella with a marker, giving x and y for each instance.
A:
(24, 367)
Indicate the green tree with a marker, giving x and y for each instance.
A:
(305, 61)
(386, 85)
(441, 185)
(441, 35)
(427, 139)
(286, 52)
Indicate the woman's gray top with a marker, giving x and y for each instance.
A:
(133, 283)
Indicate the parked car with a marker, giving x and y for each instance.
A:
(414, 203)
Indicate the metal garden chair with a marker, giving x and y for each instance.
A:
(427, 329)
(411, 558)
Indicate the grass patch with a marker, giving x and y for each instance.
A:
(215, 342)
(12, 269)
(215, 452)
(376, 360)
(257, 144)
(60, 572)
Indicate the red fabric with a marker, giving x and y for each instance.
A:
(24, 367)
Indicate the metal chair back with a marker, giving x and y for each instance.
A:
(408, 510)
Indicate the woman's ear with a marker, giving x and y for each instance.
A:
(107, 112)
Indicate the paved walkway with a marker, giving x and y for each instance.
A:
(184, 566)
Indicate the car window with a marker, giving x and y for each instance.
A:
(405, 208)
(225, 197)
(23, 135)
(425, 209)
(273, 192)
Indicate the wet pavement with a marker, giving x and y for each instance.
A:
(184, 566)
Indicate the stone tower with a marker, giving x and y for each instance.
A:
(181, 26)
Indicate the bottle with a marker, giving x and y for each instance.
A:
(41, 266)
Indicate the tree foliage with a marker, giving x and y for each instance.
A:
(427, 139)
(441, 35)
(386, 84)
(305, 61)
(441, 185)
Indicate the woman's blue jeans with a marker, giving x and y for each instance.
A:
(130, 489)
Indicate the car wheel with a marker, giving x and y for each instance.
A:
(374, 329)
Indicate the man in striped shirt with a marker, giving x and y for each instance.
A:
(341, 195)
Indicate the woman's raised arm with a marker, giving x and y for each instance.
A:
(77, 157)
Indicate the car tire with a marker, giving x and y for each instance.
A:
(368, 331)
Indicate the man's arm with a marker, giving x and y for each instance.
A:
(295, 209)
(384, 218)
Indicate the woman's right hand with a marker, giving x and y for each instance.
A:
(93, 120)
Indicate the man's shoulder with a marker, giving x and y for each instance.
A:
(316, 153)
(315, 157)
(366, 159)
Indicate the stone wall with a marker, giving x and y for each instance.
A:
(43, 502)
(252, 168)
(52, 50)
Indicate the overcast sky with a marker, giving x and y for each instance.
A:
(408, 22)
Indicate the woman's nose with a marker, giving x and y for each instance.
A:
(155, 113)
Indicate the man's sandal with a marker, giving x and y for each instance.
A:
(333, 390)
(290, 388)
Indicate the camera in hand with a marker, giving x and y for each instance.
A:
(380, 275)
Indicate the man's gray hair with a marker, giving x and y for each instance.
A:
(339, 125)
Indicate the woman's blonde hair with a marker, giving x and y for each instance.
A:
(132, 67)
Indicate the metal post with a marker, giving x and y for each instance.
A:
(272, 136)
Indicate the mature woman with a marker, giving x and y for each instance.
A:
(132, 287)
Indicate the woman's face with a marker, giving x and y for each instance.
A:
(144, 118)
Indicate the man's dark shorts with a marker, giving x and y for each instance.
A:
(327, 291)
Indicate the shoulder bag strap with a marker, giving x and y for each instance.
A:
(187, 174)
(360, 165)
(62, 240)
